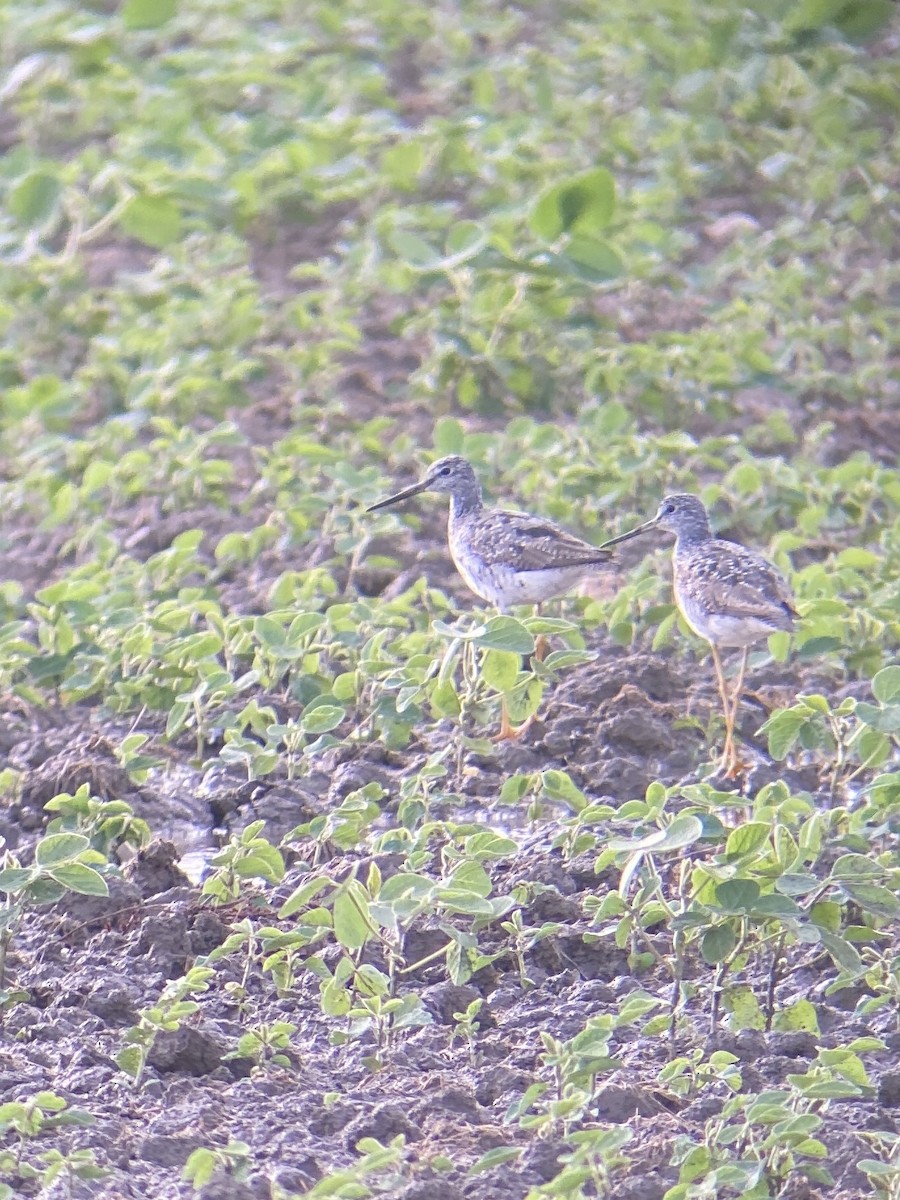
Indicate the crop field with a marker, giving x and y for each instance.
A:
(279, 917)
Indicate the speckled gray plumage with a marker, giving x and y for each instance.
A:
(729, 595)
(505, 557)
(720, 582)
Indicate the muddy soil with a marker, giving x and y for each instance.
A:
(87, 967)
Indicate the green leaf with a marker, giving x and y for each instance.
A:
(800, 1016)
(59, 848)
(130, 1060)
(444, 699)
(494, 1158)
(783, 729)
(199, 1167)
(413, 249)
(862, 19)
(877, 1168)
(14, 879)
(718, 942)
(855, 868)
(265, 862)
(871, 897)
(886, 685)
(271, 633)
(449, 436)
(858, 558)
(147, 14)
(773, 905)
(464, 241)
(825, 1089)
(864, 935)
(844, 955)
(558, 785)
(45, 890)
(405, 885)
(594, 260)
(351, 926)
(154, 220)
(737, 895)
(403, 163)
(744, 1008)
(79, 878)
(33, 199)
(845, 1063)
(458, 900)
(682, 832)
(505, 633)
(812, 14)
(322, 719)
(811, 1148)
(826, 914)
(583, 204)
(345, 686)
(815, 646)
(336, 1000)
(302, 625)
(796, 883)
(489, 845)
(885, 720)
(747, 839)
(301, 896)
(500, 669)
(471, 876)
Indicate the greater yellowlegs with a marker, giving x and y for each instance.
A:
(505, 557)
(729, 595)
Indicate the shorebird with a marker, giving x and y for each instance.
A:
(505, 557)
(729, 595)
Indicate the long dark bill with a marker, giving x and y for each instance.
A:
(398, 496)
(624, 537)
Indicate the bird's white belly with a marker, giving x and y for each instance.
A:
(502, 586)
(725, 630)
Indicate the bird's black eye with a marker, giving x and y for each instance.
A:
(445, 470)
(669, 508)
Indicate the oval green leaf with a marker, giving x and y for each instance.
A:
(34, 198)
(154, 220)
(718, 942)
(60, 848)
(583, 204)
(79, 878)
(500, 669)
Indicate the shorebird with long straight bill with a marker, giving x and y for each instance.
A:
(505, 557)
(729, 595)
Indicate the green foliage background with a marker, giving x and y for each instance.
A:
(256, 255)
(260, 258)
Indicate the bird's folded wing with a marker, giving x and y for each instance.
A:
(534, 544)
(743, 583)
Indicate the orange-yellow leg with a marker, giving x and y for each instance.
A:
(729, 762)
(739, 686)
(735, 766)
(509, 732)
(726, 762)
(541, 647)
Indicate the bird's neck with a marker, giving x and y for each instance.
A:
(466, 502)
(694, 535)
